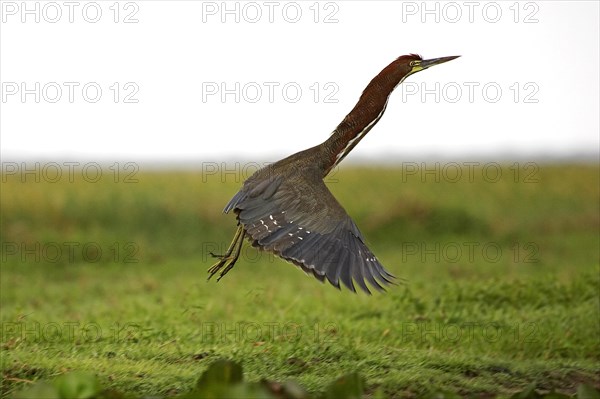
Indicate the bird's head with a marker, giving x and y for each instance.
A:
(406, 65)
(417, 64)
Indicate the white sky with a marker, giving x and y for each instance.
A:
(542, 55)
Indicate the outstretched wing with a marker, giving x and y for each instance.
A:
(303, 223)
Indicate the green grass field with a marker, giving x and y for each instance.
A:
(501, 284)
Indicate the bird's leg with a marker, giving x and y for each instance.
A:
(236, 255)
(230, 249)
(227, 258)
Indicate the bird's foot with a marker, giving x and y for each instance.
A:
(226, 270)
(214, 269)
(227, 261)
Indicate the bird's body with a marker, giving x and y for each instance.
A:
(287, 209)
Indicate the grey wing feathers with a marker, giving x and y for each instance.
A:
(338, 256)
(262, 191)
(328, 245)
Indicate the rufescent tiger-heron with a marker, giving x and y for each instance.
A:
(286, 208)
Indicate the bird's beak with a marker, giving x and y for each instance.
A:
(424, 64)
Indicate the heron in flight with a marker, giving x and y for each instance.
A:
(287, 209)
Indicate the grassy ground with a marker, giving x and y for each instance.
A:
(502, 283)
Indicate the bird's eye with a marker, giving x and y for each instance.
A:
(413, 63)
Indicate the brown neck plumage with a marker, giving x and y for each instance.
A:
(367, 112)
